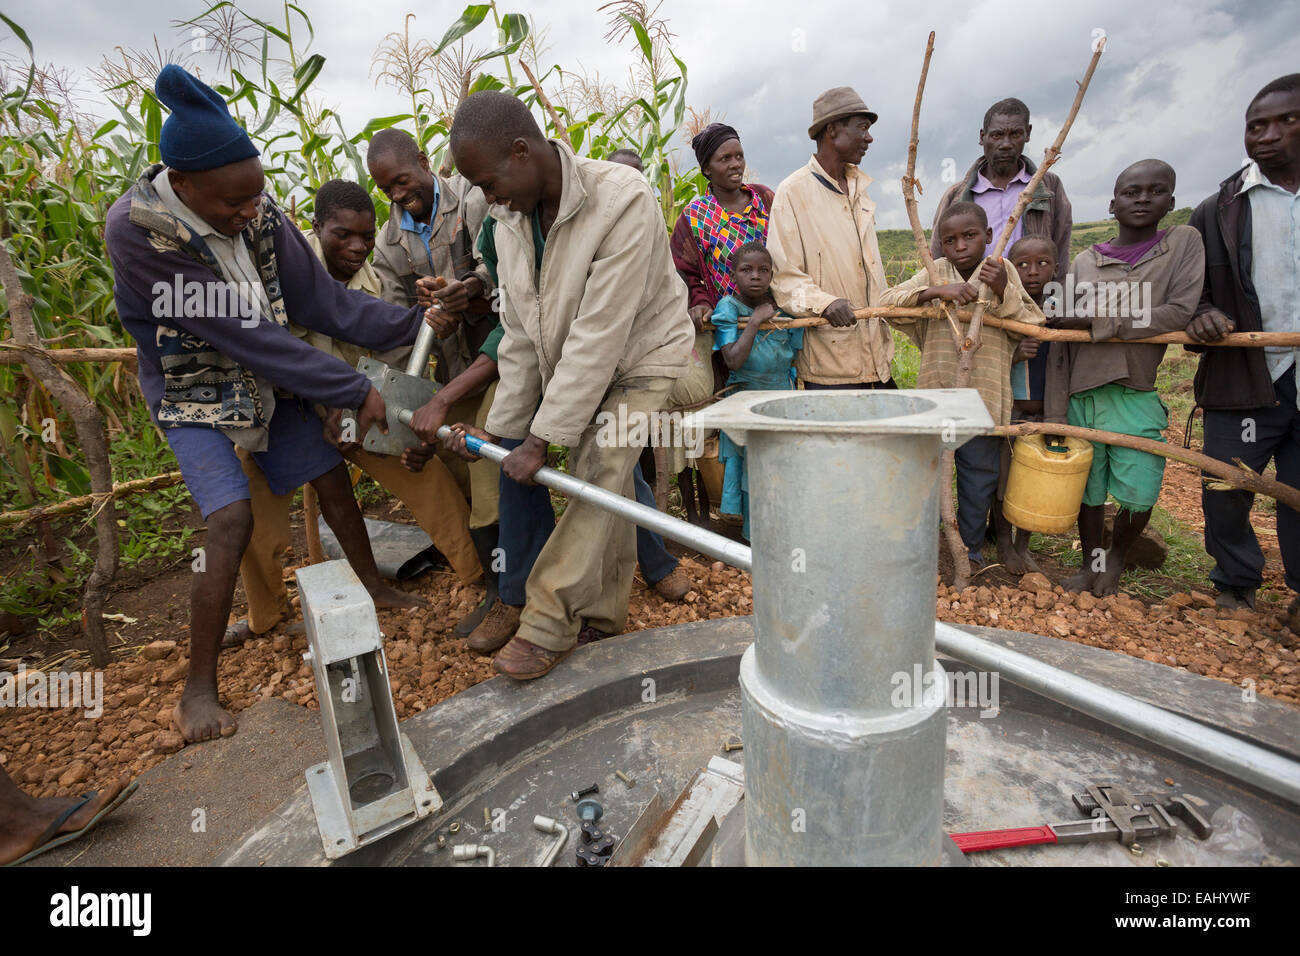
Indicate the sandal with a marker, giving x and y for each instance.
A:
(51, 838)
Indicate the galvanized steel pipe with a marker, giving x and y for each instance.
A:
(844, 503)
(1247, 762)
(701, 539)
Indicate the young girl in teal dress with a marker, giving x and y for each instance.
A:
(759, 360)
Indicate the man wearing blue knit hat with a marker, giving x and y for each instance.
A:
(208, 273)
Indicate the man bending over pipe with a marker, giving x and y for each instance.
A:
(594, 318)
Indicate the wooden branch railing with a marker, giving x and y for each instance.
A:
(1040, 332)
(17, 353)
(15, 519)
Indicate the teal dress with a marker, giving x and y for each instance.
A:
(769, 367)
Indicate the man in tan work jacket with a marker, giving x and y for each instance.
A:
(595, 328)
(822, 236)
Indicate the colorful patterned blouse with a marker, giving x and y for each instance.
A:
(718, 233)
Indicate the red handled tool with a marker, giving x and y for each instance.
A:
(1114, 815)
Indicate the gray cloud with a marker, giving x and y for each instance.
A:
(1174, 81)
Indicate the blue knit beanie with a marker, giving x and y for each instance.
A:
(200, 132)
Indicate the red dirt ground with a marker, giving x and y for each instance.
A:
(61, 752)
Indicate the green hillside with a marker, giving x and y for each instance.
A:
(898, 251)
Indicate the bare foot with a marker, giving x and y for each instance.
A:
(1083, 581)
(1027, 560)
(200, 717)
(24, 827)
(237, 634)
(385, 595)
(1011, 559)
(1107, 582)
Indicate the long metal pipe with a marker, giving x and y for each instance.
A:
(701, 539)
(1238, 758)
(417, 363)
(1250, 763)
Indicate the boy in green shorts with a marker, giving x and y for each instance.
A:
(1143, 282)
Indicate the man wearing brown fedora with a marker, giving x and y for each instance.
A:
(822, 236)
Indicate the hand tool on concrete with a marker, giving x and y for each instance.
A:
(552, 826)
(472, 851)
(1115, 816)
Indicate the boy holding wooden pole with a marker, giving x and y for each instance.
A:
(1145, 281)
(964, 236)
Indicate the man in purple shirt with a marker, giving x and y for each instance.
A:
(995, 183)
(996, 180)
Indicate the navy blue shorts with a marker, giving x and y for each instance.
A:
(296, 453)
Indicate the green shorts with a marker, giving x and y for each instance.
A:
(1132, 477)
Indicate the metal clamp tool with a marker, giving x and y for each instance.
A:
(1116, 815)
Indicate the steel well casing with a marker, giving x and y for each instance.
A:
(843, 758)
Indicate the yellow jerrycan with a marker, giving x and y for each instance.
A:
(1046, 482)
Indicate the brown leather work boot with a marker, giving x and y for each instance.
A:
(674, 586)
(524, 660)
(497, 627)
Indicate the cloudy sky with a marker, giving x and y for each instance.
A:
(1174, 81)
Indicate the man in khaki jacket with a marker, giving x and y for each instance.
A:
(822, 236)
(595, 333)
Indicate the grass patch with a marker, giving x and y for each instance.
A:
(1187, 567)
(907, 361)
(1174, 384)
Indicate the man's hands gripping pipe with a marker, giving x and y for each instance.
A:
(472, 442)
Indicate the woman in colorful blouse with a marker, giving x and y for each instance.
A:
(708, 232)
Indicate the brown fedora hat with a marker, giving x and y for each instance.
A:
(835, 104)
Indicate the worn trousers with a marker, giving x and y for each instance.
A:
(1255, 436)
(431, 495)
(479, 480)
(583, 576)
(526, 522)
(979, 462)
(655, 561)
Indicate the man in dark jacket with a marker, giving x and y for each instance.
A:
(208, 272)
(996, 180)
(1251, 231)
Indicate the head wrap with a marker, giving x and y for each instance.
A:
(200, 133)
(707, 141)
